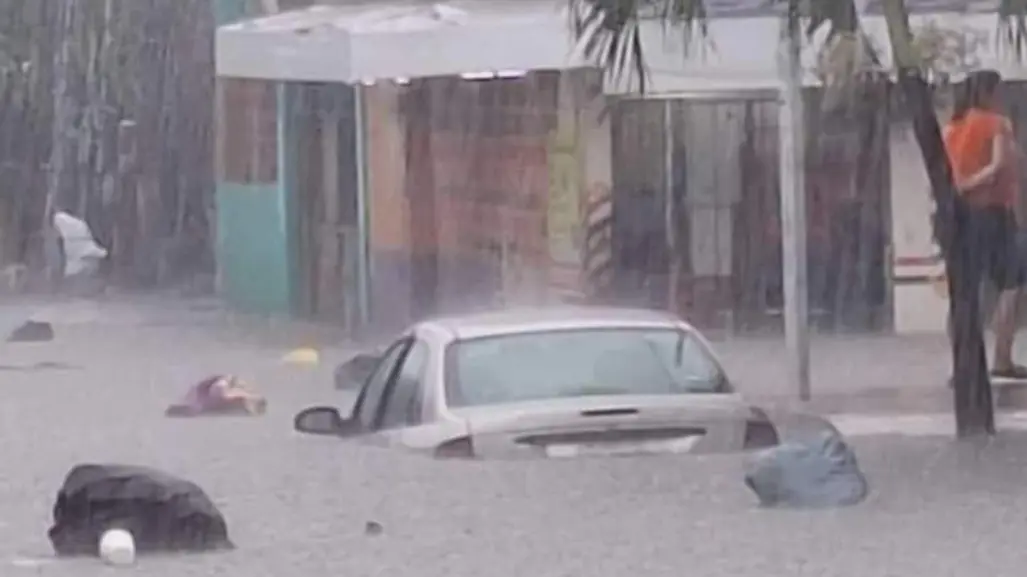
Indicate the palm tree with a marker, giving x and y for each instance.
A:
(609, 33)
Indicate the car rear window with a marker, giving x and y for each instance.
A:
(568, 363)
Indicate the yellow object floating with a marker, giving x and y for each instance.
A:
(302, 357)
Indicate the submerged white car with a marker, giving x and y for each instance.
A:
(553, 383)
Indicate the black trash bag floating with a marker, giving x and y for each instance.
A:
(814, 473)
(162, 512)
(32, 332)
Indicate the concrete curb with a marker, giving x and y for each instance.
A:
(1009, 397)
(916, 425)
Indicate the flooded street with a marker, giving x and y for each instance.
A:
(818, 188)
(299, 504)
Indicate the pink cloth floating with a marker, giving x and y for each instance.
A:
(218, 395)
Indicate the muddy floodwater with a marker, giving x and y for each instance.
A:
(301, 505)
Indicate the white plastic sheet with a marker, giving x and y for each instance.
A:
(81, 251)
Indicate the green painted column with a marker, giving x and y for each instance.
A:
(255, 229)
(228, 11)
(287, 197)
(253, 251)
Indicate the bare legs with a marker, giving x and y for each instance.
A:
(1004, 324)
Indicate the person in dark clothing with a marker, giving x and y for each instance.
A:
(984, 160)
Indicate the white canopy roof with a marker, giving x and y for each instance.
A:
(381, 40)
(398, 40)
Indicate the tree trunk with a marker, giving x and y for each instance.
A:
(78, 68)
(123, 205)
(972, 387)
(149, 85)
(62, 148)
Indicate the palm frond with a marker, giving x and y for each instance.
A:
(839, 16)
(608, 31)
(1013, 24)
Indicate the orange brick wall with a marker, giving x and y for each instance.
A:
(502, 186)
(490, 183)
(389, 209)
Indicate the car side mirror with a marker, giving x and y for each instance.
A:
(322, 421)
(354, 372)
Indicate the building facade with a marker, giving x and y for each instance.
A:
(461, 176)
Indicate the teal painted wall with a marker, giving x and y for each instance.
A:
(255, 222)
(252, 250)
(227, 11)
(257, 232)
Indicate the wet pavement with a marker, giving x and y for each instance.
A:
(858, 373)
(300, 505)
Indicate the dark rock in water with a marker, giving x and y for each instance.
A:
(40, 366)
(163, 513)
(32, 332)
(818, 472)
(373, 528)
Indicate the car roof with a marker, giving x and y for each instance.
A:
(524, 320)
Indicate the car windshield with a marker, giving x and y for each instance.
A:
(569, 363)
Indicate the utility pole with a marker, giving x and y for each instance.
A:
(670, 209)
(124, 205)
(793, 203)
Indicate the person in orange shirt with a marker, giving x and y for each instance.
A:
(984, 160)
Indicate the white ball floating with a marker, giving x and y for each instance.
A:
(117, 547)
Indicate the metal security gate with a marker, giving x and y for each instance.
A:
(716, 161)
(325, 187)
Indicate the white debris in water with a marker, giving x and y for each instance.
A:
(80, 247)
(117, 547)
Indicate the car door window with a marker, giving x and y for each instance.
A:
(403, 399)
(370, 400)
